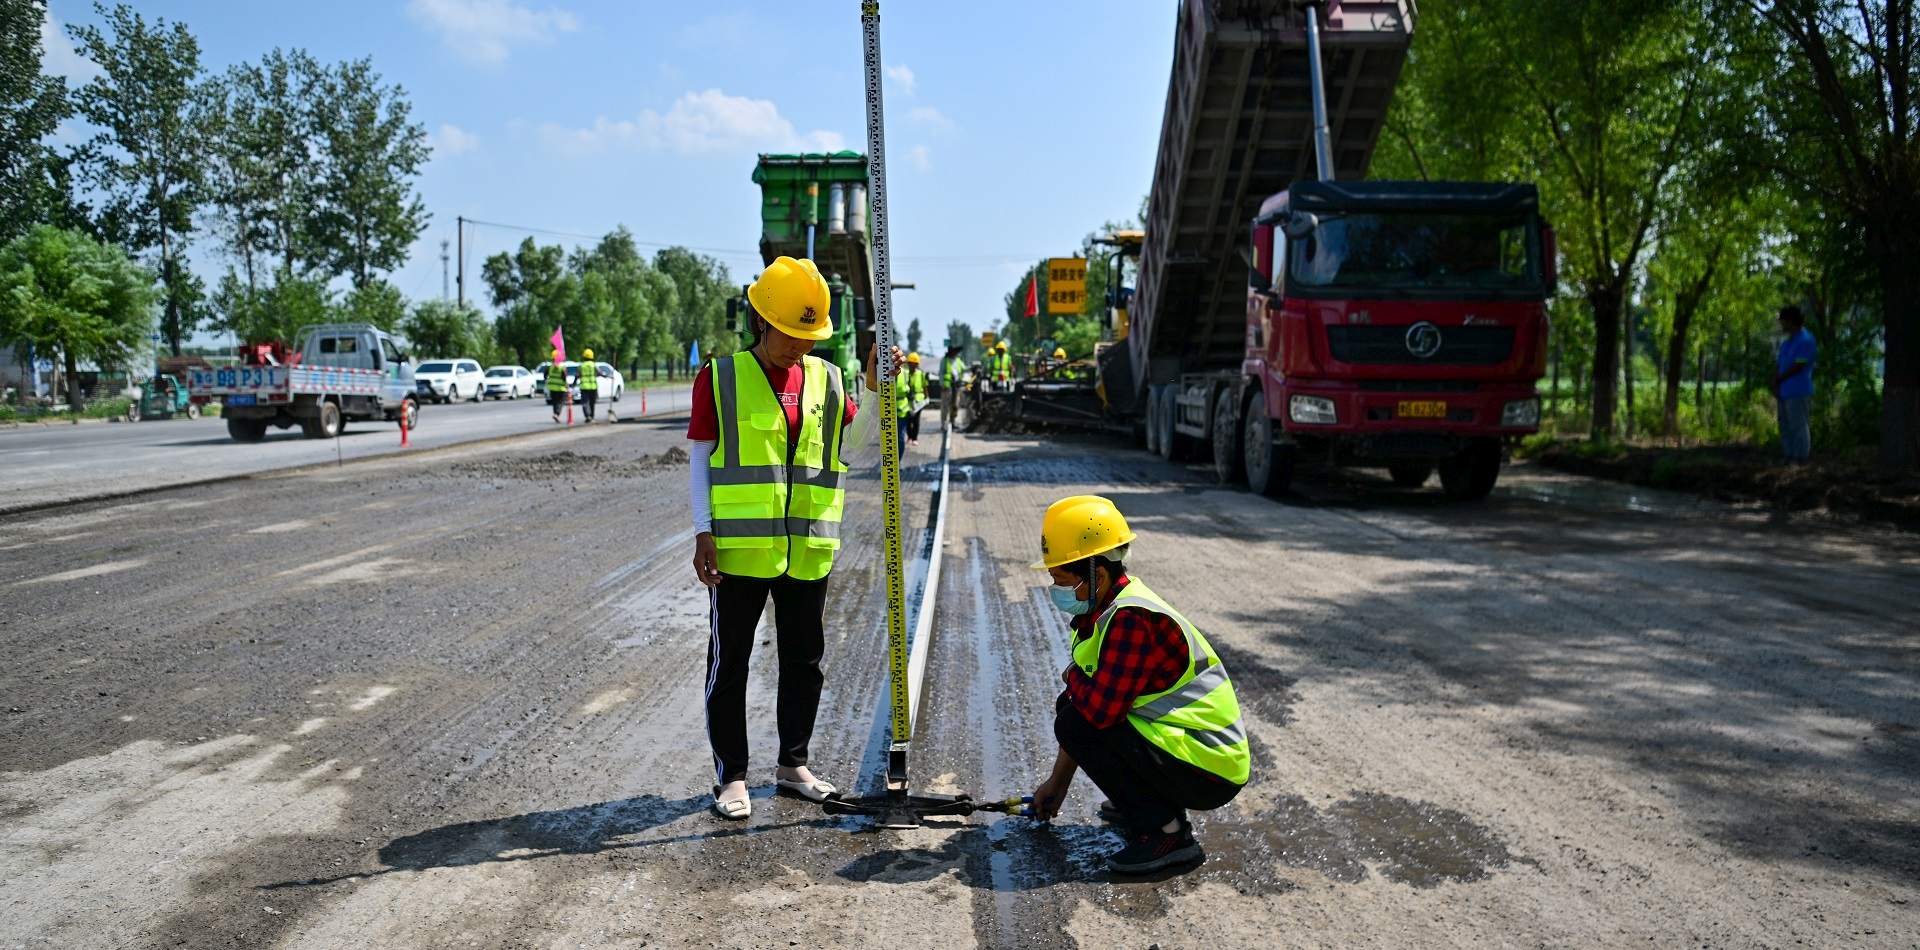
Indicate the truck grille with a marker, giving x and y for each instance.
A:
(1459, 346)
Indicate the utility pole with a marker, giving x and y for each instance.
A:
(443, 270)
(460, 232)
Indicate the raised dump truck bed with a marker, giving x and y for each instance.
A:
(1238, 127)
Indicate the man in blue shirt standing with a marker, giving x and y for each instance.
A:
(1793, 385)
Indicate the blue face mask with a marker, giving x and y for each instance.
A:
(1065, 599)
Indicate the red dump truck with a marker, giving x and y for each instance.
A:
(1287, 309)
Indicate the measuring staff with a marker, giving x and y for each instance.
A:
(769, 426)
(1148, 712)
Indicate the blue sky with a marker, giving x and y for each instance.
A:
(1009, 134)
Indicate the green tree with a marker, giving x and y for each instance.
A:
(370, 153)
(379, 303)
(531, 289)
(439, 328)
(147, 161)
(1841, 122)
(261, 173)
(913, 336)
(64, 291)
(703, 285)
(274, 312)
(31, 106)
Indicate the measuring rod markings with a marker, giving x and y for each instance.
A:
(889, 411)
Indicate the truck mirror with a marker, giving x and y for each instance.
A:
(1300, 224)
(1549, 258)
(733, 315)
(1256, 278)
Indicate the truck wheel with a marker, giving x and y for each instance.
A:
(410, 414)
(1269, 466)
(246, 430)
(1229, 460)
(193, 411)
(133, 410)
(324, 426)
(1410, 474)
(1470, 475)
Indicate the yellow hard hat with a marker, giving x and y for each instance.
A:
(586, 354)
(792, 296)
(1059, 353)
(556, 356)
(1000, 346)
(1078, 527)
(913, 359)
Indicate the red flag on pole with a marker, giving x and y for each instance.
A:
(1033, 294)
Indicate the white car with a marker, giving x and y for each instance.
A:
(508, 382)
(612, 384)
(449, 381)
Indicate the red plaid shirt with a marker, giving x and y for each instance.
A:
(1144, 652)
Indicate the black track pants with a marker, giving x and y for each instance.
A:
(587, 398)
(798, 611)
(1149, 786)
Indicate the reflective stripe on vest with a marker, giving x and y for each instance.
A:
(556, 378)
(776, 505)
(1197, 720)
(913, 391)
(589, 376)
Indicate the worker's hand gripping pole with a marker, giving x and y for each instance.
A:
(902, 717)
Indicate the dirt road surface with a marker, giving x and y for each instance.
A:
(454, 700)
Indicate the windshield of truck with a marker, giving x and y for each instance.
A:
(435, 368)
(1418, 253)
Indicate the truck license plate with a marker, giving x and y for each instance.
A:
(1422, 409)
(239, 399)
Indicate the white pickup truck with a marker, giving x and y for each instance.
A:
(338, 371)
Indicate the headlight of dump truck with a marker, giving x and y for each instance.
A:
(1312, 411)
(1521, 412)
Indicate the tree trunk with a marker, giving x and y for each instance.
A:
(1900, 308)
(1605, 300)
(1676, 364)
(1553, 402)
(1626, 361)
(73, 379)
(1700, 385)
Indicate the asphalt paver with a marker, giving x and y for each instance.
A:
(454, 699)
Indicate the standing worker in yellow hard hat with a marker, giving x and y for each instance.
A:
(556, 385)
(1000, 367)
(912, 398)
(953, 375)
(589, 384)
(1148, 712)
(769, 427)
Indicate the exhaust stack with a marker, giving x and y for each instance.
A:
(1322, 138)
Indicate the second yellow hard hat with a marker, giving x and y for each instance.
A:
(1078, 527)
(792, 297)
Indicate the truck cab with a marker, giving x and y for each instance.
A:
(1401, 323)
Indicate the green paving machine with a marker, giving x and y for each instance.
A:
(813, 205)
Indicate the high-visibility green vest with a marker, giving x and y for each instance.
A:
(1197, 720)
(556, 378)
(776, 512)
(953, 371)
(912, 390)
(1002, 365)
(589, 375)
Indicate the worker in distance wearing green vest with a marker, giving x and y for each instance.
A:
(912, 398)
(1000, 366)
(1148, 713)
(768, 429)
(556, 385)
(953, 375)
(589, 384)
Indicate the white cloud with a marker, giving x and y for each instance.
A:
(921, 158)
(902, 75)
(485, 31)
(929, 116)
(451, 139)
(697, 123)
(58, 57)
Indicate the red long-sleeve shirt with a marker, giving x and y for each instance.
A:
(1144, 653)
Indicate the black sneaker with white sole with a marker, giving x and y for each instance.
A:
(1150, 851)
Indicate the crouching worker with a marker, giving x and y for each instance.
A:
(1148, 712)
